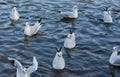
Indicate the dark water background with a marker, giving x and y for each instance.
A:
(94, 38)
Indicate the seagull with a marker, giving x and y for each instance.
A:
(58, 61)
(107, 16)
(115, 58)
(69, 41)
(73, 14)
(14, 15)
(24, 72)
(32, 30)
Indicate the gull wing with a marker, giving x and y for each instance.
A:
(117, 60)
(67, 14)
(19, 67)
(33, 67)
(35, 28)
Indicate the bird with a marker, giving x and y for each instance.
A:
(32, 30)
(24, 72)
(70, 41)
(114, 58)
(72, 14)
(58, 61)
(14, 15)
(107, 16)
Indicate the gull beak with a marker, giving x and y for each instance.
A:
(59, 55)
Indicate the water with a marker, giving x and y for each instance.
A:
(94, 38)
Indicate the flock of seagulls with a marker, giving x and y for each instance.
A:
(69, 42)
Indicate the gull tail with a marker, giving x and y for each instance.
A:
(40, 20)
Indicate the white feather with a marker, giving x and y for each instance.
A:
(14, 15)
(33, 67)
(107, 17)
(70, 42)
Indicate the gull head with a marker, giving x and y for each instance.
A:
(59, 54)
(114, 48)
(14, 9)
(106, 8)
(69, 36)
(75, 8)
(26, 24)
(24, 70)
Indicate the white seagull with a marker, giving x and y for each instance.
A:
(107, 17)
(58, 61)
(73, 14)
(32, 30)
(115, 58)
(24, 72)
(69, 41)
(14, 15)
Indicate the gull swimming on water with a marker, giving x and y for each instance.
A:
(58, 61)
(32, 30)
(24, 72)
(72, 14)
(69, 41)
(14, 15)
(107, 16)
(114, 58)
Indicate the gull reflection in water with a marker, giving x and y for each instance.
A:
(108, 26)
(72, 21)
(14, 24)
(113, 70)
(27, 38)
(68, 52)
(58, 73)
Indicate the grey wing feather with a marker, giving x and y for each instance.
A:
(67, 14)
(117, 60)
(16, 62)
(19, 67)
(33, 67)
(35, 28)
